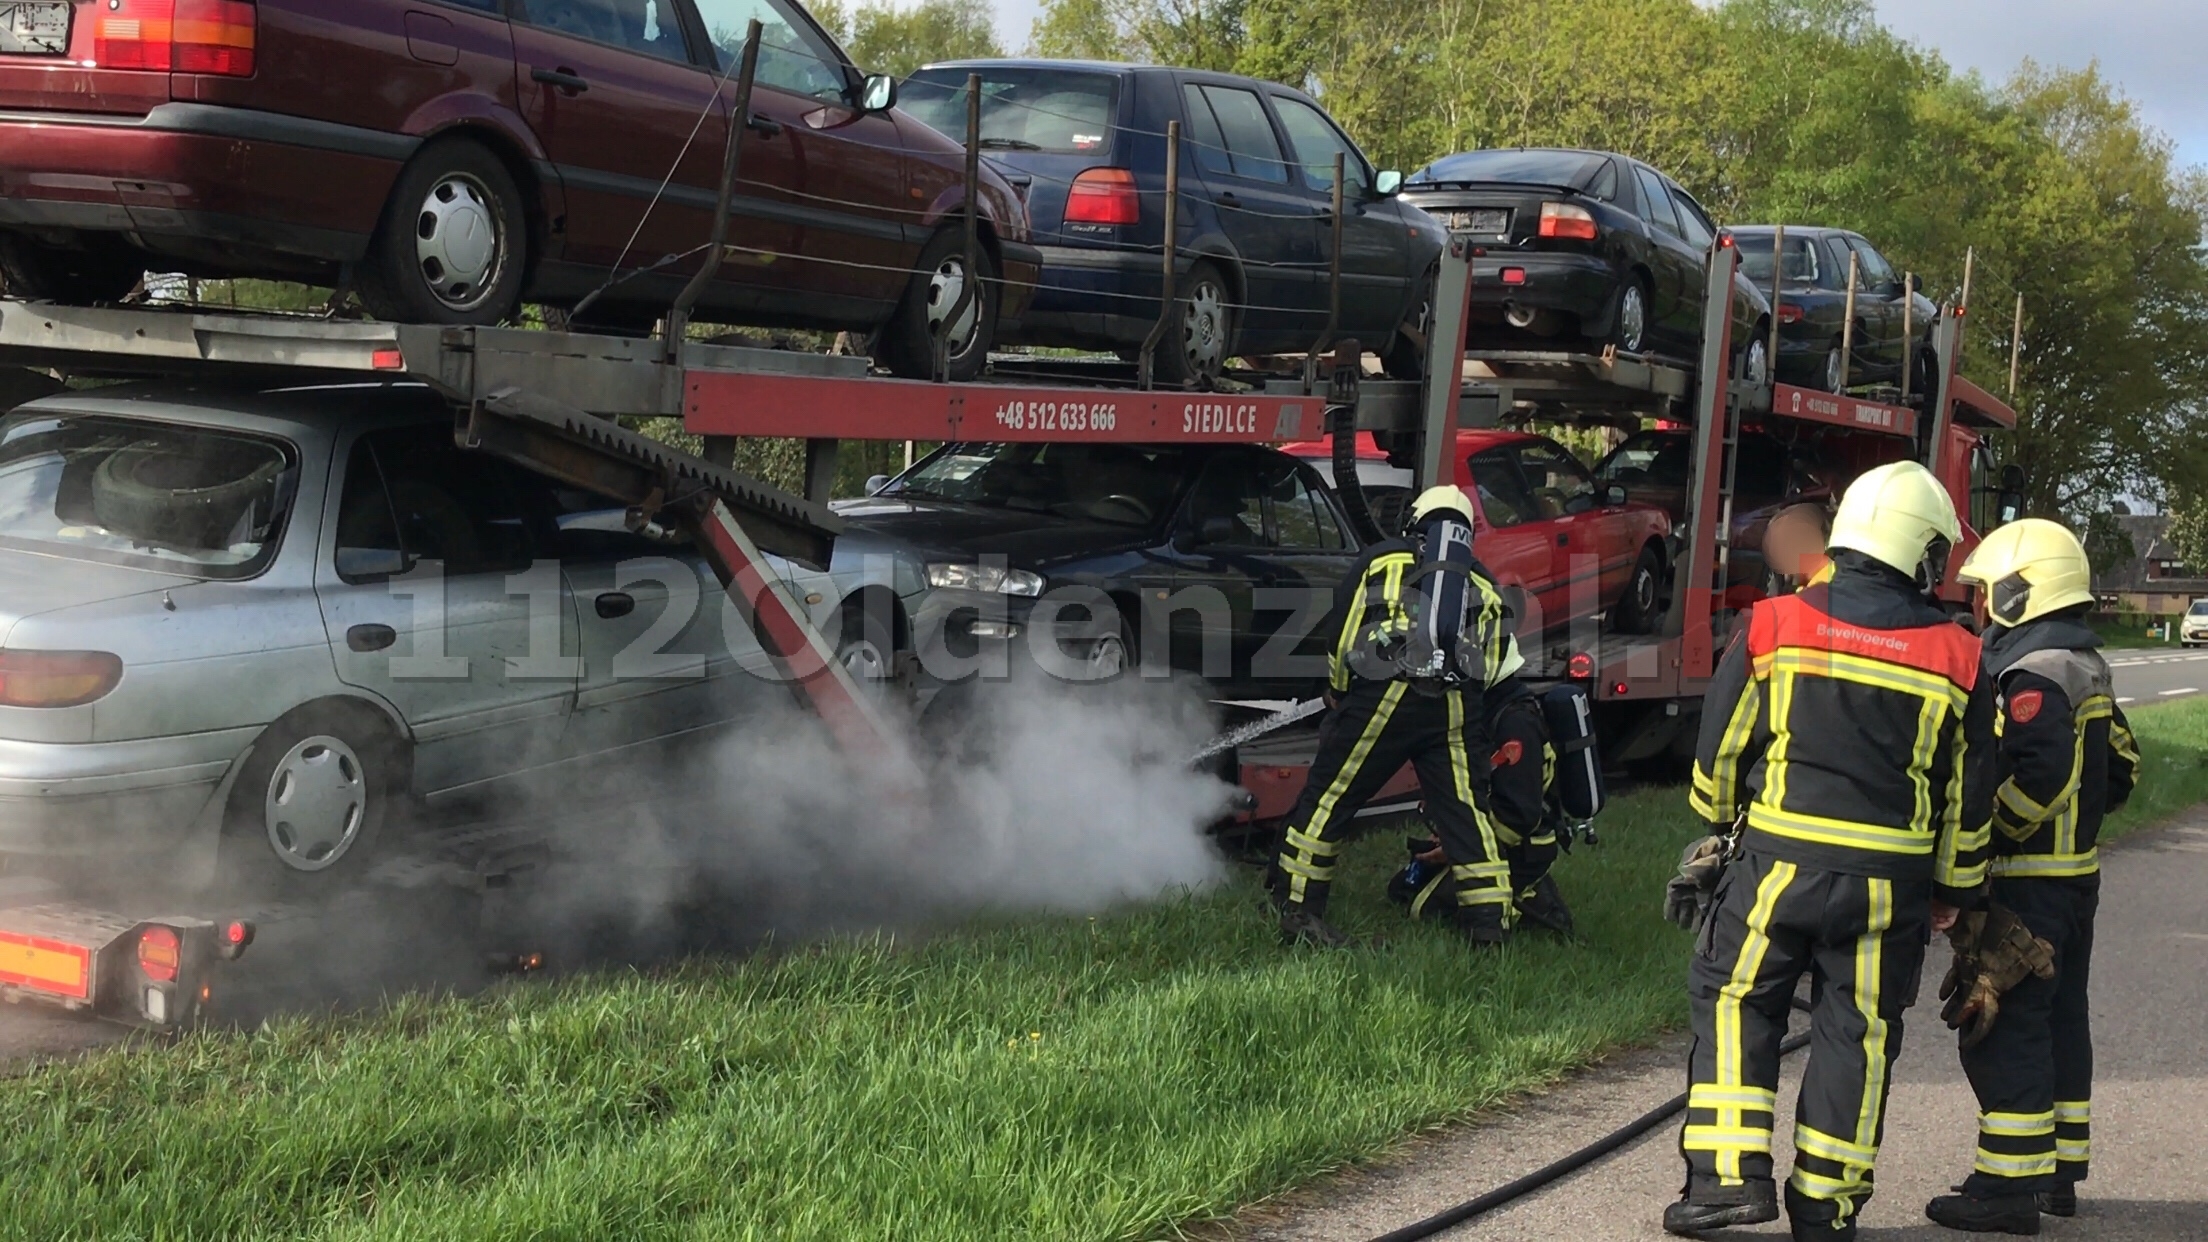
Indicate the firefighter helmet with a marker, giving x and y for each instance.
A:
(2028, 569)
(1435, 499)
(1899, 514)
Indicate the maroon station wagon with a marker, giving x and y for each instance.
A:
(455, 157)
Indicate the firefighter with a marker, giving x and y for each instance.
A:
(1521, 771)
(2065, 756)
(1843, 747)
(1419, 631)
(1794, 547)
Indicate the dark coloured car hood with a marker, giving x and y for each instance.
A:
(950, 530)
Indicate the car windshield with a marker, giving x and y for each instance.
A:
(1123, 484)
(1755, 258)
(186, 500)
(2199, 608)
(1515, 167)
(1022, 109)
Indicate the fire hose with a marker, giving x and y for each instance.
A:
(1556, 1171)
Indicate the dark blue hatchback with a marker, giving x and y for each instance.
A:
(1255, 218)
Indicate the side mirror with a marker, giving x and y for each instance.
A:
(878, 93)
(1614, 495)
(357, 563)
(875, 483)
(1388, 183)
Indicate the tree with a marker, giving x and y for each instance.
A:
(2108, 546)
(884, 38)
(2188, 529)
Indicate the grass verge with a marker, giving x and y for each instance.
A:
(1062, 1078)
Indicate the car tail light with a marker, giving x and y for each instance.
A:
(1103, 196)
(182, 36)
(1581, 667)
(1565, 220)
(1789, 313)
(1514, 275)
(159, 952)
(56, 678)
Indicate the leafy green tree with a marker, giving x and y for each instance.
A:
(884, 38)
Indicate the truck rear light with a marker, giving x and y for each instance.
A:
(159, 953)
(236, 935)
(1581, 667)
(1789, 313)
(1103, 196)
(1566, 221)
(182, 36)
(56, 678)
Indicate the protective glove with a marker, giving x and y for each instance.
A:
(1994, 951)
(1687, 895)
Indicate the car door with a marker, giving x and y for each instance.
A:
(635, 131)
(1589, 560)
(1266, 217)
(839, 174)
(1218, 548)
(1375, 245)
(1310, 554)
(1675, 304)
(1510, 539)
(1879, 304)
(474, 642)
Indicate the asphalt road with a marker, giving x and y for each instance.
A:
(2157, 675)
(2150, 986)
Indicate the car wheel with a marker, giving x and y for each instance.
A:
(866, 650)
(1200, 339)
(1109, 656)
(39, 273)
(1754, 366)
(452, 246)
(306, 810)
(147, 491)
(1406, 356)
(908, 339)
(1641, 606)
(1835, 367)
(1924, 381)
(1629, 323)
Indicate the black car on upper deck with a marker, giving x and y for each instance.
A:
(1587, 248)
(1892, 324)
(1254, 235)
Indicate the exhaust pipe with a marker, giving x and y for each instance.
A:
(1518, 316)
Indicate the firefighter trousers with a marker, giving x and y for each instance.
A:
(1861, 941)
(2033, 1073)
(1365, 741)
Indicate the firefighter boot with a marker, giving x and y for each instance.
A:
(2018, 1214)
(1299, 926)
(1817, 1220)
(1709, 1205)
(1543, 906)
(2063, 1202)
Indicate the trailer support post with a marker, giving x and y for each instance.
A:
(1445, 365)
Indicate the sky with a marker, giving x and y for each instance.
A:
(2152, 49)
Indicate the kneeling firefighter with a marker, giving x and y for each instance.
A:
(1848, 727)
(1419, 631)
(2017, 990)
(1544, 777)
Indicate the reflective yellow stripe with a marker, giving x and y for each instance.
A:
(1716, 795)
(2074, 1112)
(1707, 1095)
(1851, 834)
(1996, 1164)
(1843, 666)
(1323, 813)
(2016, 1125)
(1726, 1141)
(1312, 845)
(2047, 865)
(1870, 965)
(1818, 1143)
(1818, 1186)
(1746, 967)
(2075, 1151)
(1479, 870)
(1306, 871)
(1426, 894)
(1460, 769)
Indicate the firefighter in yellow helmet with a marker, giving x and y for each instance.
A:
(1419, 632)
(1842, 738)
(2018, 988)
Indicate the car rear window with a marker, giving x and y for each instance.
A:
(185, 500)
(1022, 109)
(1515, 167)
(1755, 258)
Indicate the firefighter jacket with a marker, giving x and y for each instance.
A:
(1851, 727)
(2066, 753)
(1385, 598)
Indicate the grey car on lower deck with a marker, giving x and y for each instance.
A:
(241, 629)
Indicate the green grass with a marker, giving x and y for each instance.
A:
(1049, 1078)
(2129, 633)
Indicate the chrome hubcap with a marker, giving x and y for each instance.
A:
(1832, 370)
(865, 662)
(1756, 365)
(1632, 319)
(944, 288)
(1204, 329)
(457, 243)
(1107, 659)
(317, 800)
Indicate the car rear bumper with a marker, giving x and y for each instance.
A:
(1092, 298)
(86, 798)
(195, 173)
(1582, 285)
